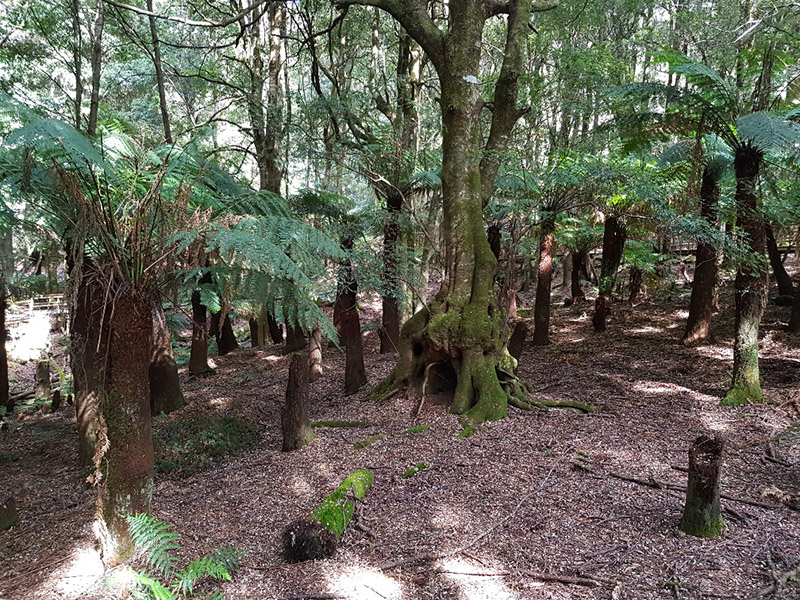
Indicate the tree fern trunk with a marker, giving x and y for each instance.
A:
(165, 385)
(613, 244)
(785, 285)
(198, 357)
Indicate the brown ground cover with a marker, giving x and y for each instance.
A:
(529, 507)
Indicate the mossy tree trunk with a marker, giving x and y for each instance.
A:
(613, 243)
(541, 308)
(198, 357)
(701, 304)
(785, 285)
(462, 324)
(165, 385)
(348, 323)
(124, 459)
(701, 513)
(751, 281)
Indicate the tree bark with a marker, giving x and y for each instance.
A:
(275, 330)
(785, 285)
(297, 430)
(97, 59)
(162, 93)
(701, 304)
(226, 340)
(751, 282)
(635, 286)
(125, 458)
(165, 385)
(794, 320)
(389, 332)
(315, 355)
(701, 513)
(77, 61)
(255, 334)
(349, 326)
(541, 308)
(613, 243)
(295, 339)
(42, 386)
(198, 357)
(5, 396)
(578, 260)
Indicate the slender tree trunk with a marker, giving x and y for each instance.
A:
(42, 384)
(97, 60)
(297, 430)
(578, 261)
(275, 330)
(255, 333)
(635, 286)
(541, 308)
(794, 320)
(162, 93)
(5, 397)
(77, 61)
(389, 332)
(750, 284)
(165, 385)
(701, 304)
(349, 327)
(613, 243)
(295, 338)
(125, 459)
(315, 355)
(198, 357)
(785, 285)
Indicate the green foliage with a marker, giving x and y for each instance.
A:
(413, 470)
(188, 445)
(336, 511)
(161, 580)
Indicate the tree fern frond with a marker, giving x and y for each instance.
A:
(156, 540)
(767, 131)
(710, 84)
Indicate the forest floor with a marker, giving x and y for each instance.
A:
(533, 506)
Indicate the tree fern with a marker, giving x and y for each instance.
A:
(767, 131)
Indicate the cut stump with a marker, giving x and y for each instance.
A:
(701, 514)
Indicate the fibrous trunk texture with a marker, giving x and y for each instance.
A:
(613, 244)
(165, 386)
(198, 357)
(785, 285)
(541, 309)
(701, 513)
(297, 430)
(389, 332)
(701, 304)
(295, 338)
(124, 460)
(635, 284)
(349, 324)
(750, 284)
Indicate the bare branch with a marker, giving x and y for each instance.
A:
(192, 22)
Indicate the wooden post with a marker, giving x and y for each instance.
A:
(42, 387)
(701, 514)
(297, 430)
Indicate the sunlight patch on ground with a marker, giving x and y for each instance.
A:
(476, 582)
(223, 402)
(681, 314)
(83, 572)
(660, 387)
(716, 352)
(715, 422)
(648, 329)
(300, 486)
(364, 583)
(31, 339)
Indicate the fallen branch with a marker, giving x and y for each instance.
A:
(652, 483)
(568, 579)
(780, 581)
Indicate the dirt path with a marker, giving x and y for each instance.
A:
(572, 520)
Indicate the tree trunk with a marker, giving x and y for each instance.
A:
(349, 326)
(226, 340)
(701, 513)
(297, 430)
(5, 396)
(162, 93)
(541, 309)
(275, 330)
(42, 386)
(785, 285)
(389, 332)
(578, 261)
(794, 320)
(125, 459)
(701, 304)
(295, 339)
(77, 60)
(97, 58)
(315, 355)
(750, 284)
(165, 385)
(198, 356)
(635, 286)
(613, 243)
(255, 334)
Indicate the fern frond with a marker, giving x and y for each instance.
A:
(205, 566)
(156, 540)
(151, 589)
(767, 131)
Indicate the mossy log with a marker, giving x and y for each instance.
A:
(701, 514)
(318, 536)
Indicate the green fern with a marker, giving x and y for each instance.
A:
(156, 540)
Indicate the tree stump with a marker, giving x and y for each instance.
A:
(701, 514)
(42, 387)
(297, 430)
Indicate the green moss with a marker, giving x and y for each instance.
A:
(380, 391)
(417, 430)
(705, 529)
(467, 428)
(411, 471)
(336, 511)
(740, 395)
(370, 440)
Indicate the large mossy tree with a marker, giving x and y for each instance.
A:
(461, 326)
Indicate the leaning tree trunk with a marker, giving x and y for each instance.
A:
(541, 308)
(613, 244)
(124, 459)
(701, 304)
(349, 324)
(751, 282)
(198, 357)
(165, 385)
(389, 332)
(785, 285)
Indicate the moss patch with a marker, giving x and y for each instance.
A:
(336, 511)
(739, 395)
(417, 430)
(411, 471)
(370, 440)
(189, 445)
